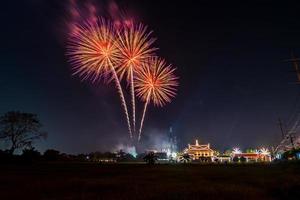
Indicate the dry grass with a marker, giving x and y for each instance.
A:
(138, 181)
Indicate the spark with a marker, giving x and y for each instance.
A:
(264, 151)
(135, 44)
(236, 151)
(155, 83)
(94, 54)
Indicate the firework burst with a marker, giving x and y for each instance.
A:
(135, 46)
(155, 82)
(94, 54)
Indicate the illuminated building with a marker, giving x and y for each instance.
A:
(263, 155)
(201, 152)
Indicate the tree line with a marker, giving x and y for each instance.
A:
(20, 130)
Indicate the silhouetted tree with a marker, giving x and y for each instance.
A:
(82, 157)
(243, 159)
(122, 156)
(185, 158)
(65, 157)
(140, 157)
(5, 156)
(20, 129)
(291, 154)
(51, 155)
(235, 159)
(30, 155)
(109, 155)
(150, 158)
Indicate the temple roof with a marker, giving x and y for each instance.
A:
(199, 147)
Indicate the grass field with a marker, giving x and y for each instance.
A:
(140, 181)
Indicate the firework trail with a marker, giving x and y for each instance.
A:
(155, 82)
(93, 53)
(134, 43)
(143, 115)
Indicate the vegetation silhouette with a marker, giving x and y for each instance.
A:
(243, 159)
(51, 155)
(185, 158)
(20, 130)
(30, 155)
(150, 158)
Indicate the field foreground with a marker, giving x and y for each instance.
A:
(140, 181)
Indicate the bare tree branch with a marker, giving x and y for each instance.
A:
(21, 129)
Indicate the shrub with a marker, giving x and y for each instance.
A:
(51, 155)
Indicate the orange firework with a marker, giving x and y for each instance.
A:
(155, 82)
(94, 54)
(135, 46)
(92, 49)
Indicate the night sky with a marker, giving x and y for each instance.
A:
(234, 83)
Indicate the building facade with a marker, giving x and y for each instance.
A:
(200, 152)
(252, 157)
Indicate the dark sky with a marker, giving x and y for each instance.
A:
(233, 82)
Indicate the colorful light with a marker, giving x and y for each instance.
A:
(264, 151)
(94, 54)
(155, 83)
(236, 150)
(92, 49)
(134, 43)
